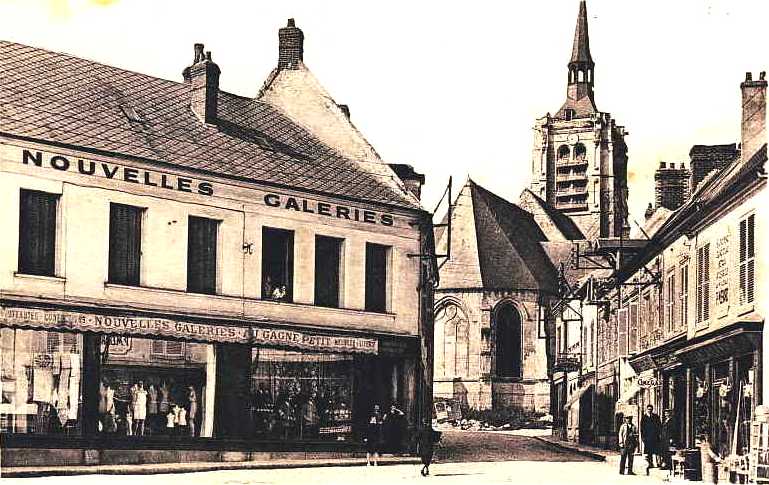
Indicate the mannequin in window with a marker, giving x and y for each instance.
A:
(163, 406)
(106, 407)
(152, 407)
(267, 287)
(279, 293)
(139, 408)
(192, 412)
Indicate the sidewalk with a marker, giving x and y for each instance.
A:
(157, 468)
(610, 457)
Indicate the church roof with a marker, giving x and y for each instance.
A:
(68, 101)
(555, 224)
(580, 51)
(495, 244)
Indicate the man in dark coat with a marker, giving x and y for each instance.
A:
(651, 427)
(669, 436)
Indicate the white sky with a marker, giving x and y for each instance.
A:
(450, 87)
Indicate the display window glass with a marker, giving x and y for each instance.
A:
(154, 387)
(40, 382)
(301, 395)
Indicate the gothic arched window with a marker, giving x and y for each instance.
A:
(563, 152)
(507, 323)
(452, 342)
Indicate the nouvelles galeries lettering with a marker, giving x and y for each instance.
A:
(111, 171)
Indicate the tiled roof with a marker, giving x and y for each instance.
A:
(544, 213)
(714, 152)
(580, 51)
(57, 98)
(506, 247)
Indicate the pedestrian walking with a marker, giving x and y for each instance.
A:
(373, 437)
(651, 427)
(628, 441)
(426, 440)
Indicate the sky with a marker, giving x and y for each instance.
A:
(451, 87)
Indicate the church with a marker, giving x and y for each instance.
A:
(493, 342)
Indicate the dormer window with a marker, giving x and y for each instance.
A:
(569, 114)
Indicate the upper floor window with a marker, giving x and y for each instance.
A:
(277, 264)
(377, 257)
(202, 236)
(328, 271)
(747, 259)
(703, 283)
(684, 271)
(125, 228)
(579, 152)
(37, 233)
(670, 314)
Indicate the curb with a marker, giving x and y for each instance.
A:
(556, 444)
(165, 468)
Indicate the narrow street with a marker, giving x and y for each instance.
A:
(462, 457)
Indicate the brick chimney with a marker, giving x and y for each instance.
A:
(671, 185)
(290, 46)
(203, 78)
(410, 178)
(753, 114)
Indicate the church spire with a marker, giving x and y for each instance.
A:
(579, 93)
(580, 52)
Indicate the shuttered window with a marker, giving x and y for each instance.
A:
(328, 254)
(671, 315)
(684, 320)
(622, 331)
(633, 327)
(747, 259)
(125, 225)
(703, 283)
(376, 277)
(202, 236)
(37, 233)
(277, 264)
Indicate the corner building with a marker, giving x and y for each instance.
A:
(197, 273)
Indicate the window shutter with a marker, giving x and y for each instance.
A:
(622, 331)
(201, 255)
(706, 283)
(124, 244)
(37, 233)
(747, 259)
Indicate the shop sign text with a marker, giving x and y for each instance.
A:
(721, 283)
(148, 178)
(311, 341)
(329, 210)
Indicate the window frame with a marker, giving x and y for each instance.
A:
(24, 264)
(289, 262)
(703, 285)
(126, 280)
(374, 306)
(212, 284)
(339, 246)
(747, 260)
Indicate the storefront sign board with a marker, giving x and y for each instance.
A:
(126, 325)
(314, 341)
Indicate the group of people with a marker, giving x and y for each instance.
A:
(384, 432)
(658, 436)
(147, 410)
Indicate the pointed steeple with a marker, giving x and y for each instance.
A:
(579, 93)
(580, 52)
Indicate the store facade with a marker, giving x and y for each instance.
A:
(164, 309)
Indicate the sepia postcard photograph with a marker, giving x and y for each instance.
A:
(383, 242)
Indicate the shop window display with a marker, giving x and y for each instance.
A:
(301, 395)
(40, 382)
(153, 387)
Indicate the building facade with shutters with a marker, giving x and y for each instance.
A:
(190, 271)
(680, 324)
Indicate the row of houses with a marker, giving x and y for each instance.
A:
(673, 316)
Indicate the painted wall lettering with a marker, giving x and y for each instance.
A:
(132, 175)
(328, 210)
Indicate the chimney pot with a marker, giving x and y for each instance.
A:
(753, 114)
(203, 79)
(663, 165)
(345, 109)
(290, 46)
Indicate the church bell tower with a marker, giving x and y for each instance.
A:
(579, 159)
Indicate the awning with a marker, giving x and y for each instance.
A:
(575, 396)
(629, 394)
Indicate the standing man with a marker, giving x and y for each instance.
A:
(651, 426)
(628, 441)
(669, 436)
